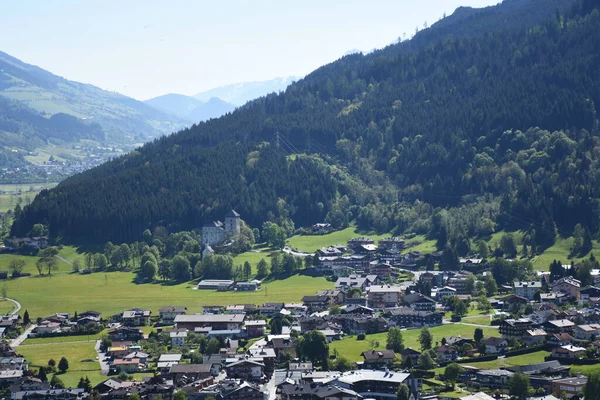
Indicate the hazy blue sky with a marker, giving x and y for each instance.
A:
(148, 48)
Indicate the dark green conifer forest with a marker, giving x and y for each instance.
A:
(473, 126)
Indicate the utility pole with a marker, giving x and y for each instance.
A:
(277, 140)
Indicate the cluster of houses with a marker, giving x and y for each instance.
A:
(62, 324)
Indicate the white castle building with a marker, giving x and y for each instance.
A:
(215, 233)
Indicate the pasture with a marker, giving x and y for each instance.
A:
(113, 292)
(351, 348)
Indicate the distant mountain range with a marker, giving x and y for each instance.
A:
(33, 92)
(218, 101)
(239, 94)
(190, 108)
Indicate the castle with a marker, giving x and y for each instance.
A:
(215, 233)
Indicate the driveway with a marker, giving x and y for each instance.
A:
(16, 342)
(104, 367)
(17, 306)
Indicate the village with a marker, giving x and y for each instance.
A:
(290, 350)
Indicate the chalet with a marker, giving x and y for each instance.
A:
(330, 251)
(246, 369)
(367, 382)
(215, 321)
(446, 353)
(317, 303)
(166, 361)
(589, 291)
(560, 339)
(559, 326)
(187, 373)
(236, 309)
(336, 296)
(554, 297)
(570, 286)
(534, 337)
(511, 299)
(270, 309)
(411, 353)
(446, 291)
(571, 386)
(408, 317)
(47, 328)
(255, 328)
(459, 282)
(381, 270)
(587, 332)
(301, 391)
(378, 358)
(515, 327)
(178, 338)
(495, 345)
(493, 378)
(382, 296)
(297, 309)
(136, 317)
(125, 333)
(90, 313)
(283, 347)
(458, 341)
(357, 310)
(122, 365)
(356, 261)
(168, 314)
(143, 357)
(433, 278)
(391, 243)
(419, 302)
(527, 289)
(352, 281)
(568, 352)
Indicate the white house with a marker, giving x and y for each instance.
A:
(527, 289)
(495, 345)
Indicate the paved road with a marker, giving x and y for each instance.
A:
(104, 367)
(16, 342)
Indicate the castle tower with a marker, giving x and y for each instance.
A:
(233, 222)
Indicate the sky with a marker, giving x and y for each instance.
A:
(146, 48)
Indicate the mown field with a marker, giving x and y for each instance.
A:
(113, 292)
(81, 356)
(351, 348)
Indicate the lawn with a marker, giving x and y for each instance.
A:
(67, 252)
(560, 251)
(420, 243)
(6, 306)
(480, 320)
(65, 339)
(311, 243)
(111, 293)
(81, 357)
(254, 257)
(351, 348)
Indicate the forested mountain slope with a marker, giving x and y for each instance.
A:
(501, 130)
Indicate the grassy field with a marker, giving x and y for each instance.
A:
(420, 243)
(114, 292)
(254, 257)
(67, 252)
(351, 348)
(525, 359)
(6, 306)
(11, 193)
(65, 339)
(81, 357)
(311, 243)
(560, 251)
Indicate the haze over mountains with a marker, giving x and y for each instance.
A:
(486, 121)
(40, 109)
(218, 101)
